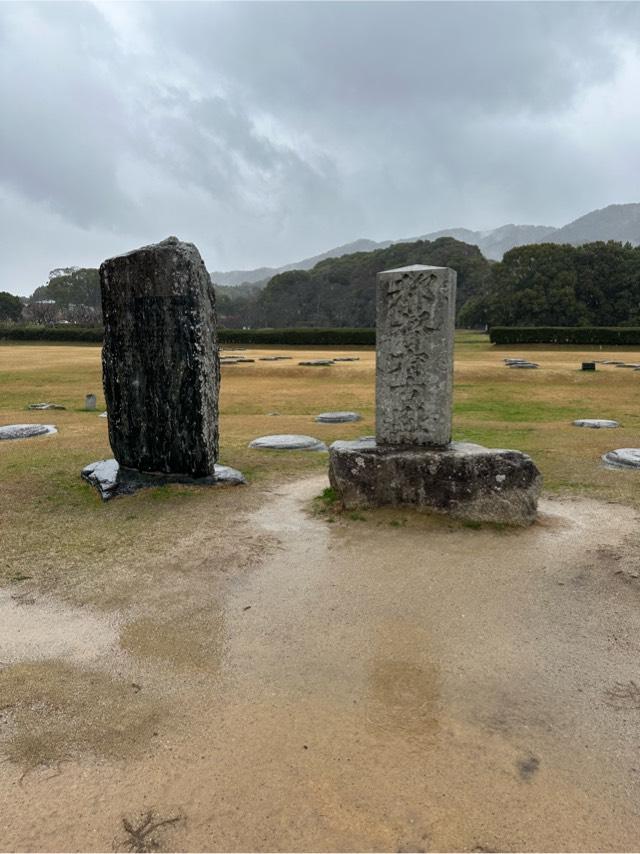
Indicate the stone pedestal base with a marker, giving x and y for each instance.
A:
(111, 479)
(461, 479)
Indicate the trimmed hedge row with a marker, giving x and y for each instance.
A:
(35, 332)
(565, 335)
(340, 337)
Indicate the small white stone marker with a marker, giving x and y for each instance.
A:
(90, 402)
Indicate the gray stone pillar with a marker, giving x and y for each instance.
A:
(160, 360)
(414, 353)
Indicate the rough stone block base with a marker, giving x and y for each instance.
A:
(461, 479)
(112, 479)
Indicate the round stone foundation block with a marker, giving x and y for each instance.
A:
(623, 458)
(462, 479)
(25, 431)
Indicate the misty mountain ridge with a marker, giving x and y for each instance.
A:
(263, 274)
(614, 222)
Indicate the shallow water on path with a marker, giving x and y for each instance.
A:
(427, 687)
(33, 628)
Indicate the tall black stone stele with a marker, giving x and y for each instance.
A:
(160, 362)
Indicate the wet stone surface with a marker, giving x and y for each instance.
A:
(415, 311)
(337, 417)
(288, 442)
(595, 423)
(623, 458)
(160, 359)
(111, 479)
(462, 479)
(45, 406)
(25, 431)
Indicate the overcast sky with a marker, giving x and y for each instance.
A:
(268, 132)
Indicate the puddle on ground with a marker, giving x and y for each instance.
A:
(360, 688)
(34, 627)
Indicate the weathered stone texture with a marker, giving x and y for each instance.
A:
(414, 352)
(288, 442)
(160, 360)
(111, 480)
(623, 458)
(595, 423)
(25, 431)
(337, 417)
(464, 480)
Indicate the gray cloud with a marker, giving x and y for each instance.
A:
(266, 132)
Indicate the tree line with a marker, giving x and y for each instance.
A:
(71, 297)
(546, 284)
(340, 292)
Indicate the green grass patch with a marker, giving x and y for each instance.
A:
(499, 409)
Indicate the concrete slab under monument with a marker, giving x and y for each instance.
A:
(412, 460)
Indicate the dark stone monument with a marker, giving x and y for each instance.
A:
(412, 459)
(160, 362)
(161, 371)
(588, 366)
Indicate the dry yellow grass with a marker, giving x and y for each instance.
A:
(54, 526)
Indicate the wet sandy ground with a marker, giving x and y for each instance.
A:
(359, 686)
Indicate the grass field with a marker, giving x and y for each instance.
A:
(227, 657)
(52, 521)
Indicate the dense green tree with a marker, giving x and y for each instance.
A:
(340, 292)
(548, 284)
(10, 307)
(76, 287)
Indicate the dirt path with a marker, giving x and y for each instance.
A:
(360, 687)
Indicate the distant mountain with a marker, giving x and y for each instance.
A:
(615, 222)
(495, 242)
(341, 291)
(263, 274)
